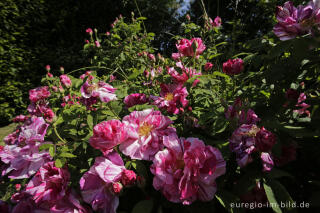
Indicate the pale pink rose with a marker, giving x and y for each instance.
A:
(65, 81)
(172, 98)
(97, 184)
(135, 99)
(267, 161)
(97, 43)
(107, 135)
(49, 184)
(33, 130)
(145, 133)
(39, 93)
(102, 90)
(22, 162)
(187, 169)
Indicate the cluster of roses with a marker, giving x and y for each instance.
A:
(184, 169)
(248, 138)
(293, 22)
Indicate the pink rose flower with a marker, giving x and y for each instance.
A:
(185, 47)
(267, 161)
(242, 143)
(33, 130)
(48, 67)
(97, 184)
(208, 66)
(102, 90)
(151, 57)
(89, 31)
(145, 133)
(187, 169)
(233, 66)
(265, 140)
(107, 135)
(186, 73)
(97, 43)
(128, 177)
(22, 162)
(172, 98)
(135, 99)
(39, 93)
(49, 184)
(20, 118)
(216, 23)
(65, 81)
(69, 203)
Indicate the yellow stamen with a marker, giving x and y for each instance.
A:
(145, 129)
(169, 97)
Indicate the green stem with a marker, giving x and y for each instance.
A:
(57, 134)
(110, 108)
(144, 27)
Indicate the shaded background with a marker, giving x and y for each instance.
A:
(34, 33)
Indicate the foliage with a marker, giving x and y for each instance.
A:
(271, 99)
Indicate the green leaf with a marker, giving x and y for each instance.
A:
(144, 206)
(90, 121)
(227, 200)
(45, 146)
(58, 163)
(51, 151)
(272, 198)
(67, 155)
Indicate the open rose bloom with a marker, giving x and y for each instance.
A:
(100, 90)
(186, 170)
(100, 185)
(145, 131)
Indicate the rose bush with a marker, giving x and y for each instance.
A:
(138, 132)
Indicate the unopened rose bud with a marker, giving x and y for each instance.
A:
(117, 187)
(48, 68)
(188, 17)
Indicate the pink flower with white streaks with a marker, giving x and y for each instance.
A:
(186, 171)
(135, 99)
(185, 47)
(172, 98)
(145, 133)
(49, 184)
(184, 74)
(39, 93)
(65, 80)
(70, 203)
(107, 135)
(97, 184)
(23, 162)
(101, 89)
(33, 130)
